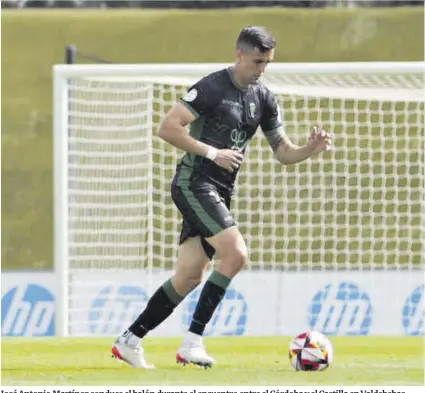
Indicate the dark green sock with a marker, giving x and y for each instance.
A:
(211, 295)
(159, 308)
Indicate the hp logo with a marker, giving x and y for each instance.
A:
(115, 308)
(229, 318)
(414, 312)
(341, 309)
(28, 310)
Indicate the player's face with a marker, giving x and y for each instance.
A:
(252, 65)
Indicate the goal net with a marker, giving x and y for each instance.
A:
(357, 207)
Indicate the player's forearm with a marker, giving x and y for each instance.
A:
(177, 136)
(288, 153)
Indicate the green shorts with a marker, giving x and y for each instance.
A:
(205, 208)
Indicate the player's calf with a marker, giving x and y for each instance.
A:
(192, 349)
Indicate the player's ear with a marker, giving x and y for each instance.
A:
(238, 56)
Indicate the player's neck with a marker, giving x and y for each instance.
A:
(237, 80)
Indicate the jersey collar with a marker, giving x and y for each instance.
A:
(231, 72)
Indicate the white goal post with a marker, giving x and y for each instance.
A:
(357, 207)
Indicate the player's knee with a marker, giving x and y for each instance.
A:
(193, 278)
(239, 258)
(184, 284)
(233, 262)
(188, 277)
(242, 257)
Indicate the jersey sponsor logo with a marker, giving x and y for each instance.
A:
(28, 310)
(341, 309)
(190, 96)
(414, 312)
(231, 103)
(229, 319)
(115, 308)
(238, 138)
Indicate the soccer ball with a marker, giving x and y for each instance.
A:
(310, 351)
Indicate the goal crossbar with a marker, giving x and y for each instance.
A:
(79, 70)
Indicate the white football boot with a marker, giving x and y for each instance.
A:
(127, 348)
(193, 351)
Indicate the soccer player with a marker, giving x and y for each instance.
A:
(224, 110)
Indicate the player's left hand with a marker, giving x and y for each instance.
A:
(319, 140)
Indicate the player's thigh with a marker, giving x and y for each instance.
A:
(192, 259)
(231, 248)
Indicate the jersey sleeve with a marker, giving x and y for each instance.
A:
(271, 121)
(201, 97)
(271, 118)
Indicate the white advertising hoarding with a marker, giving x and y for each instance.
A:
(28, 304)
(262, 303)
(257, 303)
(354, 303)
(112, 302)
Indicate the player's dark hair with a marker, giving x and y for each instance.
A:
(255, 38)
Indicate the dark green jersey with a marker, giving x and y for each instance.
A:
(227, 117)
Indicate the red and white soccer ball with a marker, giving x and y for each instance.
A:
(311, 351)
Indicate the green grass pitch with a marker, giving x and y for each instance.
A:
(246, 361)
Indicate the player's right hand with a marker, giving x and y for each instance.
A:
(229, 159)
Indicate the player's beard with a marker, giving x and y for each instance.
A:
(255, 79)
